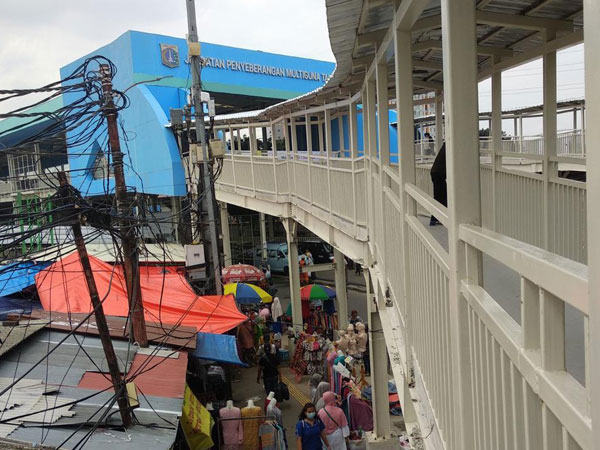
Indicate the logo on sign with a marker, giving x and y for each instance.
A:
(169, 55)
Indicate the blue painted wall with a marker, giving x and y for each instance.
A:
(152, 162)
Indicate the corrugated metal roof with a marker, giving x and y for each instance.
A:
(161, 377)
(11, 336)
(62, 374)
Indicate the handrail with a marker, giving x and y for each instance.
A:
(561, 276)
(433, 207)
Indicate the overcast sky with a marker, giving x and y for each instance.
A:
(37, 41)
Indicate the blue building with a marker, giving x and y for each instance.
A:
(237, 79)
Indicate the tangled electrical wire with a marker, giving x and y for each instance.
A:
(38, 229)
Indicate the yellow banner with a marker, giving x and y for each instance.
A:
(196, 422)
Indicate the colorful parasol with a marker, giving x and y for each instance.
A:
(316, 292)
(247, 293)
(241, 273)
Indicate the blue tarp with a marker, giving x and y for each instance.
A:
(17, 276)
(217, 347)
(16, 306)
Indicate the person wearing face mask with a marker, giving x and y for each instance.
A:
(310, 431)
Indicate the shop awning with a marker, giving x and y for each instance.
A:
(168, 298)
(217, 347)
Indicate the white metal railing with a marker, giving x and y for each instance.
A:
(517, 380)
(569, 143)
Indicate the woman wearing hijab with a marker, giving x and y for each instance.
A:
(334, 419)
(314, 381)
(318, 401)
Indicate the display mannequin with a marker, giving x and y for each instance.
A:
(268, 399)
(233, 430)
(209, 406)
(361, 338)
(342, 343)
(273, 410)
(251, 441)
(351, 337)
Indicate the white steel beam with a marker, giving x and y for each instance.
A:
(591, 20)
(501, 20)
(464, 195)
(341, 290)
(225, 236)
(488, 50)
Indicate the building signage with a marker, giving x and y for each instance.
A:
(169, 55)
(274, 71)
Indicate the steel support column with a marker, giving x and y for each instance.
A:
(464, 194)
(439, 123)
(341, 289)
(293, 272)
(591, 20)
(379, 363)
(225, 234)
(263, 235)
(496, 130)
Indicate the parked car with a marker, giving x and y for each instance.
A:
(277, 254)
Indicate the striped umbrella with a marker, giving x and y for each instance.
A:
(247, 293)
(316, 292)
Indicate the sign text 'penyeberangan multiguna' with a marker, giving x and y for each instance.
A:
(228, 64)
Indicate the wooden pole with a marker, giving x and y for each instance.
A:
(130, 262)
(103, 332)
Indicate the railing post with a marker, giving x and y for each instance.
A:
(252, 142)
(274, 157)
(439, 122)
(550, 136)
(328, 149)
(353, 147)
(309, 154)
(286, 137)
(369, 123)
(464, 194)
(381, 85)
(591, 19)
(496, 141)
(406, 170)
(294, 150)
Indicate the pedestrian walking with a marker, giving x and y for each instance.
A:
(268, 369)
(310, 430)
(336, 424)
(438, 178)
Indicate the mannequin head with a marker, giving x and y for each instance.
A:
(342, 334)
(209, 406)
(250, 403)
(271, 395)
(229, 404)
(350, 329)
(360, 327)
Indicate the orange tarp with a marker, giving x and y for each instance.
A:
(167, 297)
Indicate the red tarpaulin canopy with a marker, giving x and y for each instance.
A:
(62, 288)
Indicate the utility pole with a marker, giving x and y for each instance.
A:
(109, 351)
(214, 265)
(128, 237)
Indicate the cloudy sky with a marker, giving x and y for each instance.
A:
(36, 42)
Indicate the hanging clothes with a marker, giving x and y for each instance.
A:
(251, 427)
(360, 413)
(233, 432)
(276, 311)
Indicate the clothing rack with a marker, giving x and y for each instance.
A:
(264, 418)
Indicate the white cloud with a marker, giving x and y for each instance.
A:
(38, 39)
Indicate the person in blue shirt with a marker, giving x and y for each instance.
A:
(310, 431)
